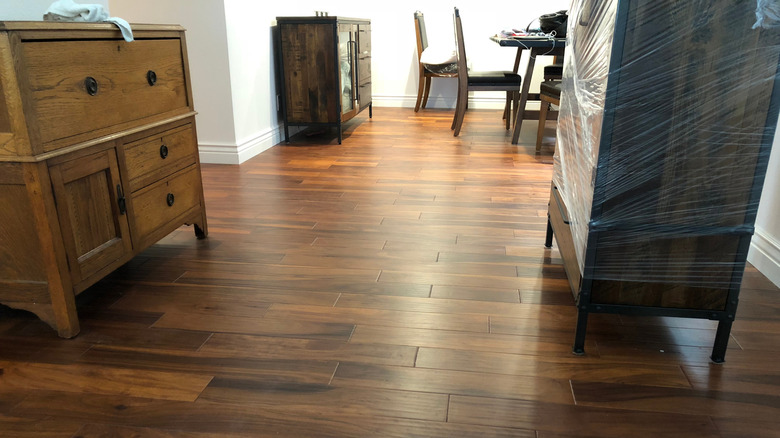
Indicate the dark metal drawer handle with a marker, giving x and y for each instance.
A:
(163, 152)
(120, 200)
(91, 84)
(169, 199)
(151, 77)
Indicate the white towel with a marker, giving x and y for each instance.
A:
(767, 14)
(67, 10)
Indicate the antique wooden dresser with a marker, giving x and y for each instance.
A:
(98, 157)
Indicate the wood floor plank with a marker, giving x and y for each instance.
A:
(677, 400)
(37, 428)
(257, 326)
(568, 420)
(731, 379)
(263, 347)
(93, 430)
(453, 382)
(275, 370)
(242, 302)
(441, 305)
(450, 339)
(566, 368)
(103, 380)
(331, 400)
(476, 294)
(378, 317)
(735, 428)
(242, 420)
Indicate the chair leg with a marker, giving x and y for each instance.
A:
(460, 112)
(507, 105)
(542, 121)
(428, 81)
(457, 105)
(420, 90)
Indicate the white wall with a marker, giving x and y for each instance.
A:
(765, 247)
(207, 48)
(237, 124)
(32, 10)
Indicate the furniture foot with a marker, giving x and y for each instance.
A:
(549, 236)
(579, 336)
(721, 341)
(200, 232)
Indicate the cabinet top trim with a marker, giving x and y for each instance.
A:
(320, 19)
(59, 26)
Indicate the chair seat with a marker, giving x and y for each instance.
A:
(551, 89)
(487, 78)
(442, 69)
(553, 70)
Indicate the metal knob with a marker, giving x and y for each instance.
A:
(151, 77)
(91, 85)
(169, 199)
(163, 152)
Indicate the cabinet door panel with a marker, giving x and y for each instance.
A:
(310, 73)
(347, 58)
(95, 231)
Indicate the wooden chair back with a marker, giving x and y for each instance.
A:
(422, 36)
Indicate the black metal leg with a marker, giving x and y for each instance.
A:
(548, 238)
(721, 341)
(286, 133)
(579, 336)
(371, 110)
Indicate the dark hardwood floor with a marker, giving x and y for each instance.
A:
(392, 286)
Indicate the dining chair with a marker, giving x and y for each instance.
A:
(428, 71)
(480, 81)
(549, 94)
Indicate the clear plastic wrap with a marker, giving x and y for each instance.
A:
(666, 123)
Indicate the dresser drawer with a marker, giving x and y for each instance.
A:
(152, 158)
(559, 219)
(78, 86)
(157, 209)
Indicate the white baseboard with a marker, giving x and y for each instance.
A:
(475, 101)
(764, 254)
(237, 154)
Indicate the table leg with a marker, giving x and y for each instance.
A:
(524, 94)
(518, 56)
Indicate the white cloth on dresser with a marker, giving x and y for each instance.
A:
(767, 14)
(68, 10)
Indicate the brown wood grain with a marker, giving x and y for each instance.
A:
(103, 380)
(285, 308)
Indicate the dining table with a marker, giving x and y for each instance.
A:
(537, 46)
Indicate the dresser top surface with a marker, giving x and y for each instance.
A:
(60, 26)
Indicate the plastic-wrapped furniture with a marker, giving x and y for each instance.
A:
(664, 135)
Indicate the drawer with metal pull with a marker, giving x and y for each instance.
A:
(78, 88)
(152, 158)
(160, 208)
